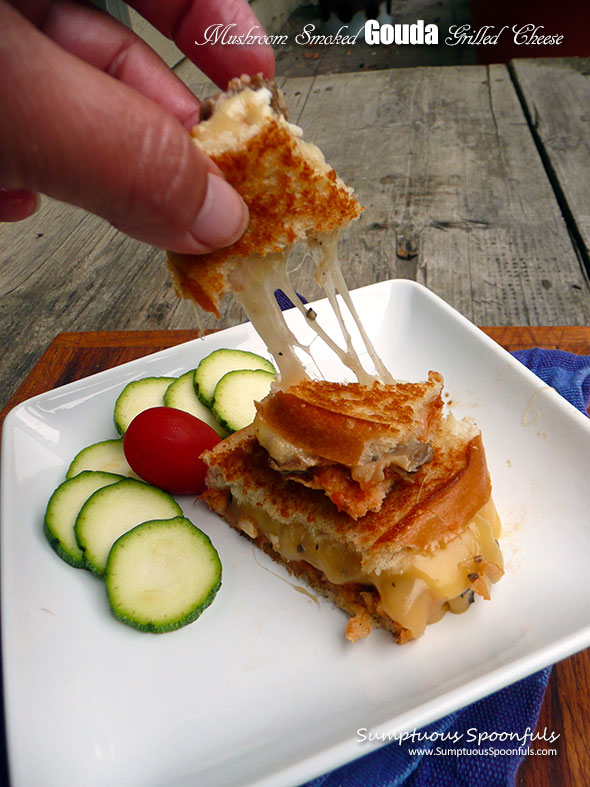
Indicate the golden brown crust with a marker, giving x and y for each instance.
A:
(197, 279)
(441, 512)
(288, 198)
(337, 421)
(389, 405)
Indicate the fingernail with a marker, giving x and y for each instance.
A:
(223, 216)
(214, 169)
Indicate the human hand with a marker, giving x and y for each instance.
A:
(92, 116)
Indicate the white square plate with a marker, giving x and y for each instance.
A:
(263, 689)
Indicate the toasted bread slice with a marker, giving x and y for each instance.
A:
(350, 440)
(348, 423)
(291, 192)
(431, 542)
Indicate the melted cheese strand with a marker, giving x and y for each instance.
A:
(254, 282)
(325, 260)
(329, 276)
(349, 359)
(255, 292)
(197, 313)
(380, 367)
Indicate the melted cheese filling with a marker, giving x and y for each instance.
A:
(418, 587)
(290, 457)
(285, 454)
(239, 117)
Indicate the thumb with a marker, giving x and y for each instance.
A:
(74, 133)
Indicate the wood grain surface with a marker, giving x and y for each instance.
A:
(456, 196)
(566, 708)
(556, 94)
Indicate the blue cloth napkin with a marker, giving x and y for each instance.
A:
(568, 373)
(514, 709)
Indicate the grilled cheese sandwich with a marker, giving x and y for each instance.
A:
(429, 548)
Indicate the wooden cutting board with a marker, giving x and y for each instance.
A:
(566, 708)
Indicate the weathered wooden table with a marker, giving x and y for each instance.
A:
(484, 201)
(475, 182)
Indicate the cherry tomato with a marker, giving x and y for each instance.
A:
(164, 445)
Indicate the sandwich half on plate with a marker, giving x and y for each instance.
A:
(396, 540)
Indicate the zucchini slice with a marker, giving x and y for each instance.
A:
(212, 368)
(63, 508)
(137, 396)
(235, 394)
(181, 395)
(162, 575)
(112, 511)
(107, 456)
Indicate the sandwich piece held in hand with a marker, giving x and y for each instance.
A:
(293, 196)
(291, 192)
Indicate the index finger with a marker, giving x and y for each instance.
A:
(198, 31)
